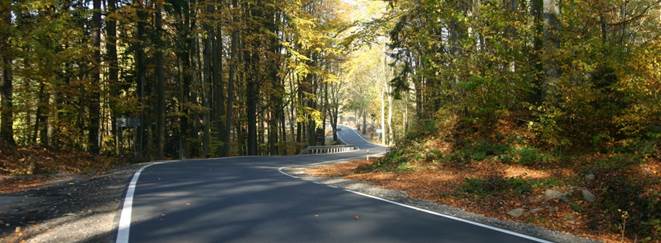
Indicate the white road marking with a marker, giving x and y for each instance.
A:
(125, 217)
(532, 238)
(453, 217)
(124, 226)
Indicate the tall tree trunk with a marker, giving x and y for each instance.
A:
(537, 10)
(391, 133)
(94, 105)
(234, 52)
(276, 88)
(384, 132)
(251, 106)
(218, 85)
(159, 99)
(113, 69)
(141, 75)
(6, 130)
(41, 125)
(364, 122)
(251, 88)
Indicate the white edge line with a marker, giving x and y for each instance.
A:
(453, 218)
(431, 212)
(124, 225)
(125, 217)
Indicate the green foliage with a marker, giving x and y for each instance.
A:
(458, 157)
(526, 155)
(643, 207)
(478, 151)
(496, 184)
(392, 161)
(617, 162)
(433, 155)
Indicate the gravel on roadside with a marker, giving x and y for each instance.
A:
(80, 209)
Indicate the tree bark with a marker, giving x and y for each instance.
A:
(159, 99)
(6, 123)
(251, 107)
(94, 105)
(141, 76)
(113, 69)
(218, 99)
(234, 52)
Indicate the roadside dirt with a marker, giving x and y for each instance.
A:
(80, 208)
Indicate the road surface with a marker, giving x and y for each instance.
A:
(246, 199)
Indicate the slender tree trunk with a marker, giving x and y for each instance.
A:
(538, 13)
(94, 105)
(276, 89)
(251, 107)
(141, 76)
(41, 125)
(234, 52)
(159, 99)
(6, 123)
(364, 122)
(391, 133)
(218, 87)
(405, 119)
(252, 88)
(113, 69)
(383, 113)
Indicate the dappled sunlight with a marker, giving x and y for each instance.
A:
(539, 112)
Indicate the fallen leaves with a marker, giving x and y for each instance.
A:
(35, 160)
(442, 185)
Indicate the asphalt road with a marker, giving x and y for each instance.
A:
(246, 199)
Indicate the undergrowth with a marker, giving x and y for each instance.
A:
(619, 185)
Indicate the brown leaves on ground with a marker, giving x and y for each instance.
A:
(23, 168)
(443, 184)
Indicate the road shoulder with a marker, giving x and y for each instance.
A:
(400, 197)
(82, 209)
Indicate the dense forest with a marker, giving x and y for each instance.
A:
(169, 78)
(548, 85)
(576, 74)
(567, 88)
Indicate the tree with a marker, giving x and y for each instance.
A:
(94, 106)
(6, 123)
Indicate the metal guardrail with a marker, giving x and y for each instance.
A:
(329, 149)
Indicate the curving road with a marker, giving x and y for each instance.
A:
(246, 199)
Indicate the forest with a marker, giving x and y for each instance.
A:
(178, 79)
(539, 83)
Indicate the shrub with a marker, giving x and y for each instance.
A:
(392, 161)
(496, 184)
(475, 152)
(433, 155)
(526, 155)
(458, 157)
(616, 162)
(621, 193)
